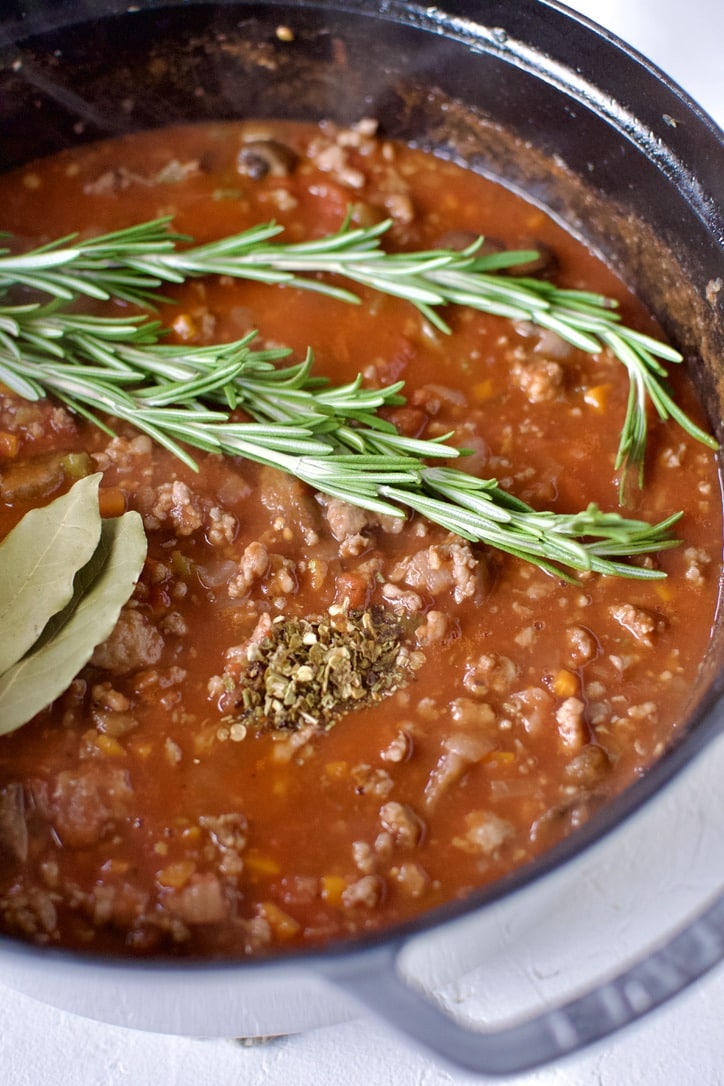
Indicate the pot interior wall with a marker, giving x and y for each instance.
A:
(525, 96)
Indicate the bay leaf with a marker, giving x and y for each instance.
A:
(39, 559)
(67, 643)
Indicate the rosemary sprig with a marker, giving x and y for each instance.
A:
(133, 263)
(330, 437)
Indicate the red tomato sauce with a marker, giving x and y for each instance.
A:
(139, 813)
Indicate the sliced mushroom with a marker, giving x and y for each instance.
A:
(29, 480)
(258, 159)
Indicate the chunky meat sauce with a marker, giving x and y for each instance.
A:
(137, 814)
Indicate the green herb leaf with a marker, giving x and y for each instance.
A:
(131, 264)
(328, 437)
(66, 644)
(38, 561)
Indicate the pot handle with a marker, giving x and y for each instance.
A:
(373, 979)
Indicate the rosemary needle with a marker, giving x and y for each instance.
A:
(131, 264)
(329, 437)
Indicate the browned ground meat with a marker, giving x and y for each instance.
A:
(81, 804)
(134, 643)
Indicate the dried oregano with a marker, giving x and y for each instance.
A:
(313, 670)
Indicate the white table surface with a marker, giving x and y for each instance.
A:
(681, 1045)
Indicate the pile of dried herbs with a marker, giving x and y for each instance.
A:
(313, 670)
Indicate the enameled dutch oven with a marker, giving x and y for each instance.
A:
(559, 109)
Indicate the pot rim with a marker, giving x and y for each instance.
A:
(457, 20)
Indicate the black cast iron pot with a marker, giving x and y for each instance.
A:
(541, 98)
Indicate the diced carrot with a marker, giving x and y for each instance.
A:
(351, 589)
(116, 867)
(483, 390)
(111, 501)
(282, 924)
(9, 445)
(261, 864)
(333, 886)
(110, 746)
(565, 684)
(500, 757)
(185, 326)
(597, 397)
